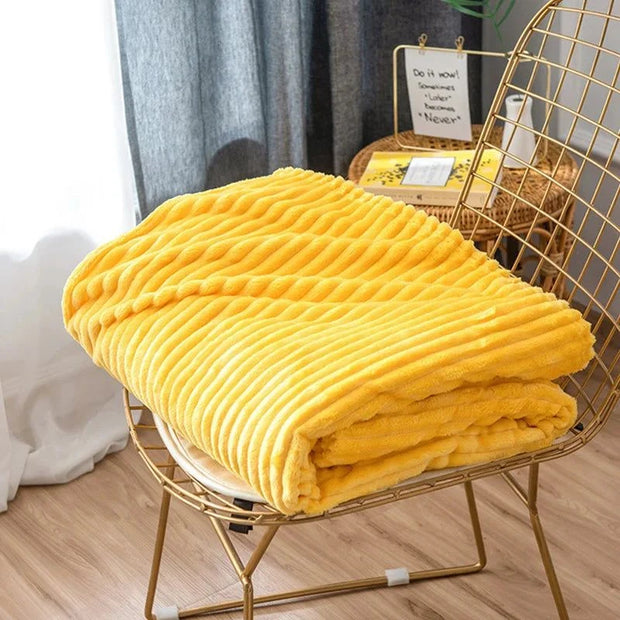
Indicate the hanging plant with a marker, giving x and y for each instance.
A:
(494, 10)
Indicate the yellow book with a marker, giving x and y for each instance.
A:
(432, 178)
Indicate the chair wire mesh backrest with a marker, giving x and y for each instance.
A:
(569, 243)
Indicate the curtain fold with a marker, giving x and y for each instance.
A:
(68, 186)
(220, 91)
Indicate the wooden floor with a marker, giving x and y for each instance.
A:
(82, 550)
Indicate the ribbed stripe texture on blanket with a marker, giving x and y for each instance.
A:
(322, 342)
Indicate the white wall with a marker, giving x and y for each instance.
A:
(511, 30)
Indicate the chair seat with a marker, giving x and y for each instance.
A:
(202, 467)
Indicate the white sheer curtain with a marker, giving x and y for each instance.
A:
(66, 185)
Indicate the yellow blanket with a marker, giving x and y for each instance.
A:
(322, 342)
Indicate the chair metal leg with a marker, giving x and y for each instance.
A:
(164, 509)
(248, 599)
(552, 578)
(245, 572)
(530, 499)
(475, 523)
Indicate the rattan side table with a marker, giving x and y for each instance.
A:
(516, 214)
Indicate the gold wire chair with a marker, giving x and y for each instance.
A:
(577, 259)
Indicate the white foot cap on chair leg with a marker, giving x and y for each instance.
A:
(167, 613)
(397, 576)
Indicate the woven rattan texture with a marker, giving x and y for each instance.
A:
(536, 188)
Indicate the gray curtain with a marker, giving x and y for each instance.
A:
(220, 90)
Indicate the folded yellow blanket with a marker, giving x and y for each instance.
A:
(322, 342)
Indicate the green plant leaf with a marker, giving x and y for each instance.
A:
(496, 12)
